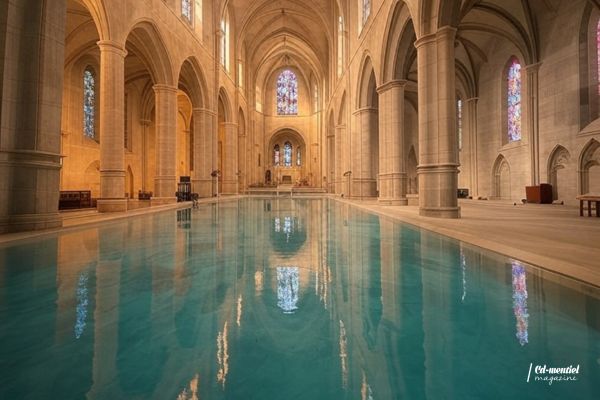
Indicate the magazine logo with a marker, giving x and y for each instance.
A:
(543, 373)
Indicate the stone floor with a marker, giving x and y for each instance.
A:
(552, 237)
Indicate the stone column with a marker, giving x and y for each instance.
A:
(363, 154)
(31, 85)
(340, 131)
(438, 152)
(112, 142)
(532, 115)
(204, 156)
(392, 166)
(472, 126)
(166, 123)
(145, 124)
(230, 159)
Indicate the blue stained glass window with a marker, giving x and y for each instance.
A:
(186, 9)
(514, 100)
(287, 93)
(89, 104)
(287, 154)
(276, 155)
(366, 11)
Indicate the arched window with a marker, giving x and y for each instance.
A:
(225, 40)
(186, 10)
(298, 157)
(276, 155)
(514, 108)
(340, 46)
(287, 93)
(459, 123)
(365, 11)
(89, 103)
(287, 154)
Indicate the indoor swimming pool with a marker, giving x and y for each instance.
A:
(286, 299)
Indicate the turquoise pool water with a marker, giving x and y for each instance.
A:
(286, 299)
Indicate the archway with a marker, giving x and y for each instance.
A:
(287, 154)
(589, 168)
(557, 177)
(411, 168)
(501, 179)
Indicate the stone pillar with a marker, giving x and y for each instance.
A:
(204, 156)
(438, 152)
(392, 166)
(363, 154)
(532, 115)
(340, 131)
(31, 88)
(145, 126)
(166, 122)
(472, 126)
(112, 105)
(230, 159)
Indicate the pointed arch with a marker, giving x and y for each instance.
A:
(224, 106)
(341, 119)
(398, 44)
(411, 169)
(501, 185)
(192, 82)
(367, 85)
(558, 160)
(146, 41)
(589, 168)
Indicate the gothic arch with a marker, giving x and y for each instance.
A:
(224, 106)
(411, 169)
(501, 188)
(398, 43)
(145, 40)
(341, 119)
(589, 181)
(367, 85)
(192, 82)
(558, 160)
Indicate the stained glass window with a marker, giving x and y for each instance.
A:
(287, 93)
(366, 11)
(459, 122)
(519, 286)
(225, 40)
(89, 104)
(298, 157)
(514, 100)
(598, 51)
(287, 154)
(186, 9)
(340, 44)
(276, 155)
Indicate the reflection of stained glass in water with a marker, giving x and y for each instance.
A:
(287, 93)
(459, 120)
(89, 104)
(276, 155)
(82, 305)
(519, 286)
(288, 283)
(287, 154)
(277, 225)
(514, 101)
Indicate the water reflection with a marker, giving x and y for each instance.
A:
(373, 309)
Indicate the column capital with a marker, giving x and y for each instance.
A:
(230, 124)
(365, 110)
(472, 100)
(160, 87)
(396, 83)
(447, 30)
(203, 111)
(425, 39)
(145, 122)
(112, 46)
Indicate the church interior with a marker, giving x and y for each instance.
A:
(475, 119)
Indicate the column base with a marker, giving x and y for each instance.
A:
(393, 202)
(159, 201)
(363, 188)
(111, 205)
(204, 187)
(440, 212)
(30, 222)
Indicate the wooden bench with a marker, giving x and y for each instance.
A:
(590, 199)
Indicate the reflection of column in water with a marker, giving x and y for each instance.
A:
(239, 310)
(366, 393)
(463, 265)
(258, 282)
(192, 394)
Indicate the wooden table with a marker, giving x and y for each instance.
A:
(590, 199)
